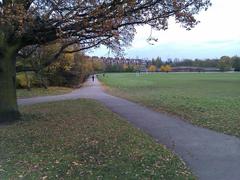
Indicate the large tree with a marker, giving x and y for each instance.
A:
(225, 63)
(89, 23)
(236, 63)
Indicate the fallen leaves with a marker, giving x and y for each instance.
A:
(83, 140)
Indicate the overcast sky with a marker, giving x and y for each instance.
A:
(218, 34)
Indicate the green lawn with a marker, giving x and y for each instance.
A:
(81, 139)
(209, 100)
(24, 93)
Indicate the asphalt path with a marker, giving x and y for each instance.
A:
(210, 155)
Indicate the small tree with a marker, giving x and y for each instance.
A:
(166, 68)
(225, 63)
(152, 68)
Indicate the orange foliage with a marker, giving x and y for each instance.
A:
(152, 68)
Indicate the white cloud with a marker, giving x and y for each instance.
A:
(217, 34)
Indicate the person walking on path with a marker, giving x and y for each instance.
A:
(93, 78)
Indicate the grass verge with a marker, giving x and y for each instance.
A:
(81, 139)
(24, 93)
(210, 100)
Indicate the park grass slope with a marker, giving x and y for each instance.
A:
(210, 100)
(81, 139)
(34, 92)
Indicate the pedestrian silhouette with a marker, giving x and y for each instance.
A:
(93, 78)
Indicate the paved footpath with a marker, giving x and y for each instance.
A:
(210, 155)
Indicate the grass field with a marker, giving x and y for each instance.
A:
(24, 93)
(83, 141)
(209, 100)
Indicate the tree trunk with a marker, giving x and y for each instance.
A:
(8, 101)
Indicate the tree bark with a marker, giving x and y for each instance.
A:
(8, 100)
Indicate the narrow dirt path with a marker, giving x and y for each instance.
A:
(210, 155)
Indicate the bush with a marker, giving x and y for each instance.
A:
(25, 80)
(21, 81)
(152, 68)
(166, 68)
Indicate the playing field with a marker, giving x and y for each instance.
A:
(209, 100)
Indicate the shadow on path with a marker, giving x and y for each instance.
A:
(210, 155)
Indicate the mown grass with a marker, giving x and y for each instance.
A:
(24, 93)
(210, 100)
(81, 139)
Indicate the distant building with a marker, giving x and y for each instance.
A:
(121, 61)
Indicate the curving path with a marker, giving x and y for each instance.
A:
(210, 155)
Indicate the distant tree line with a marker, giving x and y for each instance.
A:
(121, 68)
(225, 63)
(71, 69)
